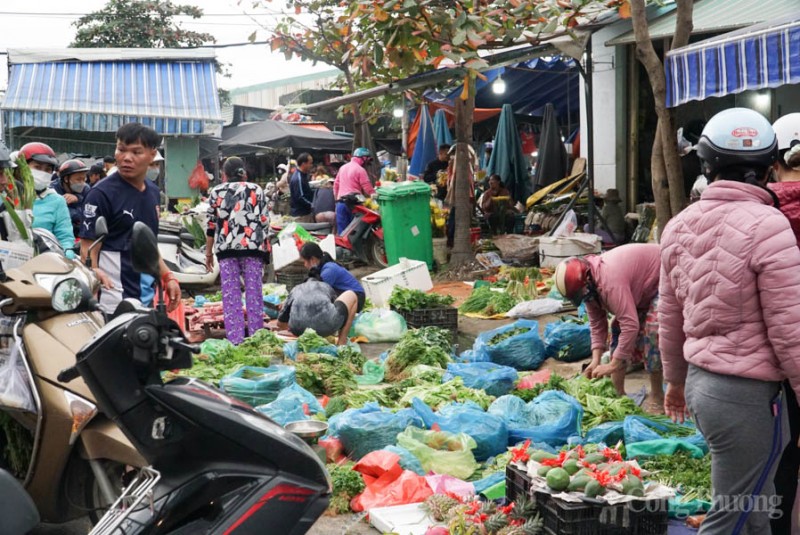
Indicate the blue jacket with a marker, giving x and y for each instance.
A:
(75, 209)
(301, 193)
(339, 278)
(50, 212)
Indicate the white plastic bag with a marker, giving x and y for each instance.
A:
(537, 307)
(15, 392)
(567, 226)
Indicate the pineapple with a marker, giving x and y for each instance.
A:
(534, 526)
(438, 505)
(524, 508)
(495, 523)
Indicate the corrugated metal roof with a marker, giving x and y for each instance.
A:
(49, 55)
(716, 16)
(174, 97)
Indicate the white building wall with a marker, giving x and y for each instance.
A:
(609, 110)
(268, 97)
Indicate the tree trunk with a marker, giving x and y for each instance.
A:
(660, 184)
(668, 187)
(462, 248)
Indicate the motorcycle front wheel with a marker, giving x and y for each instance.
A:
(376, 248)
(96, 501)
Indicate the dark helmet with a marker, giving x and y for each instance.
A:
(70, 167)
(39, 152)
(737, 137)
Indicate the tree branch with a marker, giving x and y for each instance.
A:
(683, 23)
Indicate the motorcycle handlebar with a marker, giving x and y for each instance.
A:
(70, 374)
(177, 343)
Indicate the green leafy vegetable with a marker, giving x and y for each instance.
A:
(690, 476)
(496, 339)
(477, 300)
(347, 484)
(310, 341)
(420, 346)
(320, 373)
(408, 300)
(436, 395)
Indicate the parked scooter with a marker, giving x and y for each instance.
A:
(362, 240)
(16, 508)
(217, 466)
(79, 458)
(186, 263)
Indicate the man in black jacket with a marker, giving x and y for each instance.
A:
(300, 190)
(433, 168)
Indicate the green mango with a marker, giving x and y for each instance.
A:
(571, 466)
(594, 458)
(542, 471)
(594, 489)
(632, 486)
(541, 455)
(558, 479)
(578, 483)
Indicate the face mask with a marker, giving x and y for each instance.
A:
(41, 179)
(78, 187)
(152, 174)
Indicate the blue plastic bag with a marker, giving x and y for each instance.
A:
(523, 351)
(273, 299)
(575, 339)
(407, 460)
(291, 349)
(489, 431)
(291, 405)
(472, 356)
(370, 428)
(552, 417)
(495, 379)
(608, 433)
(488, 481)
(641, 428)
(261, 386)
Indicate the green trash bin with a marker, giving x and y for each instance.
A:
(406, 219)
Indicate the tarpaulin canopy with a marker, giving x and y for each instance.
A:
(507, 159)
(255, 137)
(529, 86)
(425, 147)
(174, 92)
(440, 129)
(552, 163)
(761, 56)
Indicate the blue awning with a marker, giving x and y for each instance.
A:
(762, 56)
(173, 97)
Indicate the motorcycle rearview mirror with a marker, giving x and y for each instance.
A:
(144, 251)
(69, 295)
(100, 233)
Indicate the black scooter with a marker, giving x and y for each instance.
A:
(217, 466)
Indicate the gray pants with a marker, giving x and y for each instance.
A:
(746, 440)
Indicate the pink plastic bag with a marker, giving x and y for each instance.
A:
(529, 381)
(391, 489)
(443, 483)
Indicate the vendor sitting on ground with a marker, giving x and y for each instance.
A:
(624, 283)
(497, 206)
(314, 305)
(322, 267)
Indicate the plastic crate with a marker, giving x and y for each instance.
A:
(291, 278)
(442, 317)
(411, 274)
(568, 518)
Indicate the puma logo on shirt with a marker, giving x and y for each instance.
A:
(128, 212)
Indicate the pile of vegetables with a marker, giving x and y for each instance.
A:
(496, 339)
(310, 341)
(524, 284)
(487, 302)
(436, 395)
(347, 484)
(320, 373)
(429, 345)
(690, 476)
(408, 300)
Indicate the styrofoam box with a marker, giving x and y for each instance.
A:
(407, 273)
(409, 519)
(553, 250)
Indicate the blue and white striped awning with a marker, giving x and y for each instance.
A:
(762, 56)
(171, 96)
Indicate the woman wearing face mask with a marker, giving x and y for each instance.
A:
(50, 212)
(72, 184)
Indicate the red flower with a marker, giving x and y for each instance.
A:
(558, 461)
(16, 202)
(580, 452)
(635, 471)
(506, 509)
(612, 455)
(474, 507)
(602, 477)
(521, 454)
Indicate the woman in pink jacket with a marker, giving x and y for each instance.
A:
(623, 283)
(787, 188)
(729, 320)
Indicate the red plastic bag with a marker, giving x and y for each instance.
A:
(529, 381)
(334, 450)
(376, 463)
(198, 179)
(391, 489)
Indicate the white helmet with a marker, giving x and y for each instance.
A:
(787, 128)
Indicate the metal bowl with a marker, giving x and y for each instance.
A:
(307, 428)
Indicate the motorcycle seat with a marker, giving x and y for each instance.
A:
(317, 227)
(169, 239)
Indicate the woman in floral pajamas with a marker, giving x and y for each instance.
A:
(237, 223)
